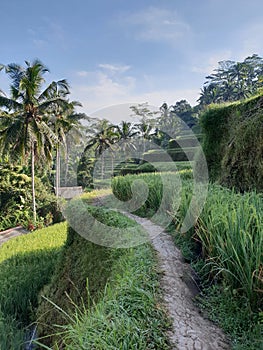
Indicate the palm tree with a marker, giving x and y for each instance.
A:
(63, 119)
(126, 132)
(101, 141)
(24, 131)
(146, 131)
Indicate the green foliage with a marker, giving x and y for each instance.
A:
(233, 81)
(175, 155)
(12, 338)
(16, 199)
(158, 198)
(175, 117)
(134, 168)
(122, 189)
(26, 265)
(233, 143)
(243, 158)
(230, 230)
(231, 313)
(214, 125)
(118, 307)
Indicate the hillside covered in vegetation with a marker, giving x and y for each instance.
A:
(233, 143)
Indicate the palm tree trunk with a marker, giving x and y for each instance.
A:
(112, 164)
(33, 182)
(67, 164)
(102, 166)
(57, 170)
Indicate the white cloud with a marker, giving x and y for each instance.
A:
(157, 24)
(114, 68)
(106, 90)
(82, 73)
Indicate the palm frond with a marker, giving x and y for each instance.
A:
(10, 103)
(15, 73)
(51, 102)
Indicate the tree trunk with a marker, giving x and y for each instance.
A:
(102, 166)
(33, 182)
(57, 171)
(112, 164)
(67, 164)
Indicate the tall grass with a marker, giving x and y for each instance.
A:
(26, 265)
(162, 189)
(231, 232)
(126, 316)
(122, 307)
(11, 336)
(229, 229)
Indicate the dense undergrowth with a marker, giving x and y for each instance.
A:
(16, 199)
(225, 245)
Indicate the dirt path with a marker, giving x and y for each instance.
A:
(190, 330)
(11, 233)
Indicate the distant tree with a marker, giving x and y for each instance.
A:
(147, 123)
(185, 112)
(233, 81)
(127, 132)
(101, 141)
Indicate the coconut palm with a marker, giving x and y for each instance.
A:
(64, 120)
(24, 131)
(127, 132)
(103, 140)
(146, 131)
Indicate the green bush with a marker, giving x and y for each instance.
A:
(16, 199)
(175, 154)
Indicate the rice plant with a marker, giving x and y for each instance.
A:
(231, 231)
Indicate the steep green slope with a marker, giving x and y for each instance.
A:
(233, 143)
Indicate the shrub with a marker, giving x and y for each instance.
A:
(16, 199)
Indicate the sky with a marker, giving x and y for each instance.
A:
(127, 52)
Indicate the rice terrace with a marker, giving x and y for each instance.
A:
(139, 226)
(76, 285)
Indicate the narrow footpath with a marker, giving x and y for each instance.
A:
(190, 329)
(11, 233)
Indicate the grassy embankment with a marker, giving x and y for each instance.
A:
(99, 297)
(112, 298)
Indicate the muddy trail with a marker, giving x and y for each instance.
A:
(190, 329)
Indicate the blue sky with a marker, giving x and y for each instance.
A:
(120, 51)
